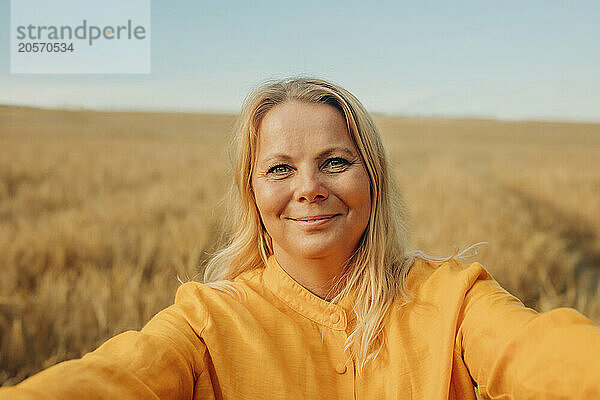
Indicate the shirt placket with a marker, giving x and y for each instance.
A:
(343, 363)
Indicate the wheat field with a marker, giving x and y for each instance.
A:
(102, 213)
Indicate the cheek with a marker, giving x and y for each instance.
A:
(361, 203)
(270, 200)
(359, 192)
(365, 204)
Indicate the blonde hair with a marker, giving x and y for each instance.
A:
(377, 270)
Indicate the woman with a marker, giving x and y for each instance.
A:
(317, 296)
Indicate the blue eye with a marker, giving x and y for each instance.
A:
(336, 162)
(278, 169)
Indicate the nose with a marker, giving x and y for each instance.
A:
(310, 188)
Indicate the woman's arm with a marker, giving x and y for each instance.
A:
(162, 361)
(513, 352)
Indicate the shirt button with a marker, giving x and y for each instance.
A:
(340, 368)
(335, 318)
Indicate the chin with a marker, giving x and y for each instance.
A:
(314, 250)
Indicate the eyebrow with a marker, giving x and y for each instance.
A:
(324, 153)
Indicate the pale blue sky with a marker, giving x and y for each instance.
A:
(502, 59)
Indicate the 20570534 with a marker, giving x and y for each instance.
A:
(48, 47)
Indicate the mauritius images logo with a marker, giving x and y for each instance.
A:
(85, 32)
(74, 36)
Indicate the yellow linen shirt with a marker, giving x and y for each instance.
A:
(277, 340)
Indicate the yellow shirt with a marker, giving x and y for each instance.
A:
(279, 341)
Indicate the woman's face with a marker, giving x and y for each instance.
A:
(310, 185)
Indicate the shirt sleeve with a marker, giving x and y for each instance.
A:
(162, 361)
(513, 352)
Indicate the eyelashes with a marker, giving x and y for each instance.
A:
(334, 164)
(277, 169)
(339, 162)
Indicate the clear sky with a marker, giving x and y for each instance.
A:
(502, 59)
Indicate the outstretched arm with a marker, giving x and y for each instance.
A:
(162, 361)
(513, 352)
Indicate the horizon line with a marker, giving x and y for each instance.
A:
(163, 110)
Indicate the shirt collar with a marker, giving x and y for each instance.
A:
(303, 301)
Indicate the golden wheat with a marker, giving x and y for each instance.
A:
(101, 213)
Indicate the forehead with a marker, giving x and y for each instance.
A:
(296, 127)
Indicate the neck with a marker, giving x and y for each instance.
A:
(318, 275)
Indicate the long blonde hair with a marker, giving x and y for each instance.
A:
(377, 270)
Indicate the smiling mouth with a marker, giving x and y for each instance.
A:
(315, 220)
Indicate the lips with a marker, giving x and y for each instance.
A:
(315, 218)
